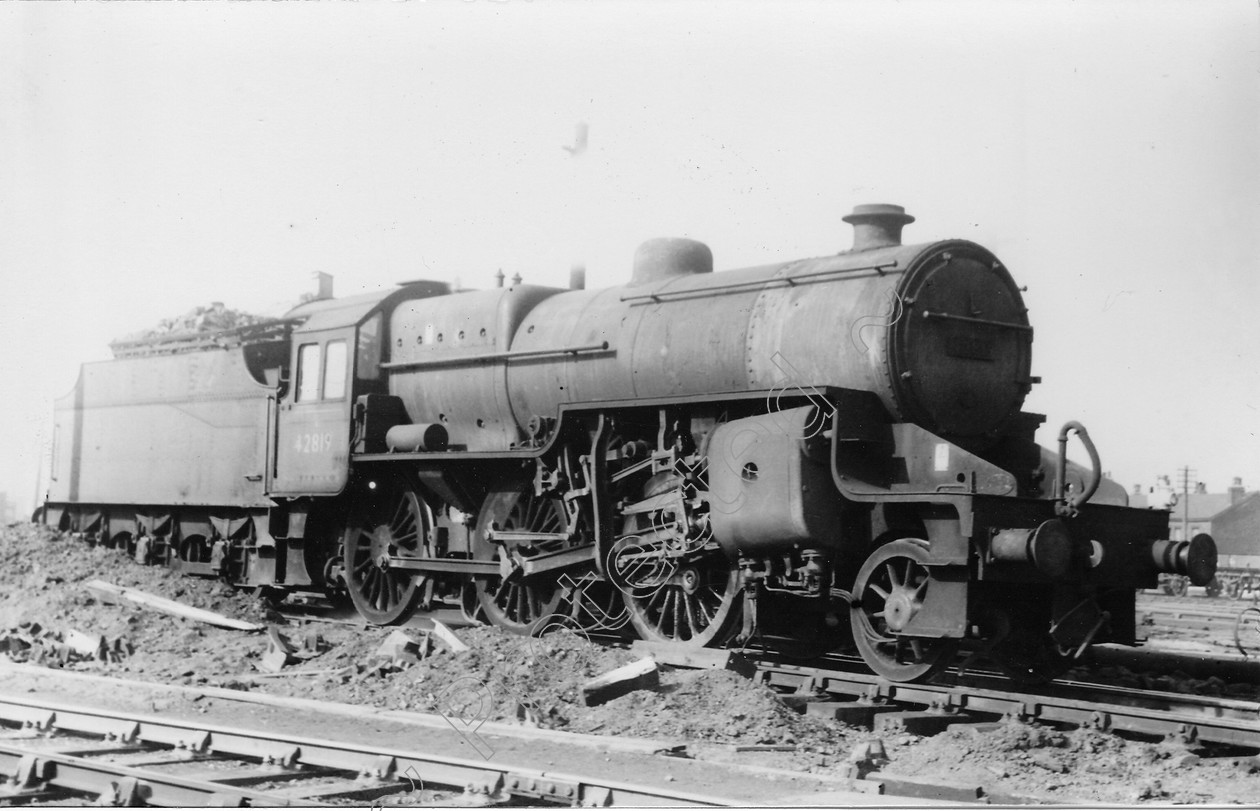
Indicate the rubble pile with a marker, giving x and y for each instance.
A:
(713, 706)
(30, 642)
(1077, 764)
(43, 573)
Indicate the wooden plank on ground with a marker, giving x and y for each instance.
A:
(103, 589)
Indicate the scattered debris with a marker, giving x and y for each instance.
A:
(90, 645)
(400, 647)
(676, 656)
(107, 591)
(279, 653)
(313, 643)
(448, 638)
(30, 642)
(640, 675)
(867, 757)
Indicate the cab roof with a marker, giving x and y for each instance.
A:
(351, 311)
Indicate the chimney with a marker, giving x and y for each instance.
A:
(1237, 491)
(577, 278)
(877, 225)
(325, 281)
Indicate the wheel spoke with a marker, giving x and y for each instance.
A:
(705, 613)
(687, 624)
(522, 603)
(656, 600)
(892, 575)
(672, 604)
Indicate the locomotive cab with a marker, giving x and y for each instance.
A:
(337, 354)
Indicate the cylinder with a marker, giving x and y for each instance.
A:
(1048, 547)
(425, 436)
(1195, 558)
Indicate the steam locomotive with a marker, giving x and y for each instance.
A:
(826, 453)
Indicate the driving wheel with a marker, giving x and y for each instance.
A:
(395, 523)
(510, 600)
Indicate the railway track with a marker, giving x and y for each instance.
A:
(1193, 617)
(833, 687)
(928, 708)
(55, 753)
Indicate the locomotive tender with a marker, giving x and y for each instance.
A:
(803, 453)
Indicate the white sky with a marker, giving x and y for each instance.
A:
(158, 156)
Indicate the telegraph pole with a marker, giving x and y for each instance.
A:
(1187, 476)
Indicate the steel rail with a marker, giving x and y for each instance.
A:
(1161, 615)
(393, 766)
(38, 772)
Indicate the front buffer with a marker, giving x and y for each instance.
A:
(1029, 583)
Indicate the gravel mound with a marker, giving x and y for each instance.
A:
(1078, 765)
(502, 677)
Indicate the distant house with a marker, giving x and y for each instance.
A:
(1201, 508)
(1236, 529)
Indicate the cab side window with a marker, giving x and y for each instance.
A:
(335, 371)
(308, 373)
(369, 349)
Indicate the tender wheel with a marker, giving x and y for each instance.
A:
(1214, 588)
(194, 549)
(695, 603)
(890, 590)
(120, 540)
(395, 524)
(509, 600)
